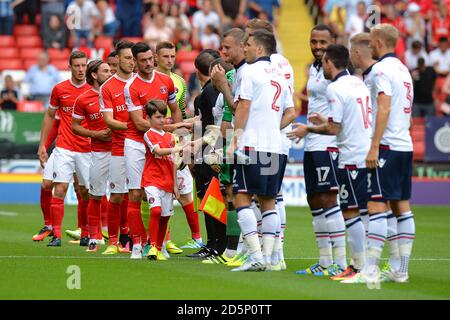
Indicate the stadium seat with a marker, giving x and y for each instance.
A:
(187, 68)
(418, 138)
(133, 39)
(103, 42)
(60, 64)
(13, 64)
(29, 42)
(58, 54)
(27, 63)
(183, 56)
(7, 41)
(30, 106)
(9, 53)
(30, 53)
(418, 121)
(25, 30)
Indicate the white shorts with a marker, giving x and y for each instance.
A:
(118, 175)
(160, 198)
(99, 173)
(48, 169)
(66, 162)
(184, 181)
(134, 161)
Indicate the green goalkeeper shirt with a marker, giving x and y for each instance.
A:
(180, 90)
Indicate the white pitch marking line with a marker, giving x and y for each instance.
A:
(177, 258)
(8, 213)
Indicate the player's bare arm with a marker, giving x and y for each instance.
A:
(140, 123)
(384, 108)
(288, 117)
(176, 112)
(78, 129)
(166, 151)
(112, 123)
(221, 83)
(242, 112)
(47, 123)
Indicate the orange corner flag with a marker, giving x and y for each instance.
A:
(213, 203)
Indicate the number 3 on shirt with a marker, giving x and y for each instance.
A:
(276, 96)
(408, 97)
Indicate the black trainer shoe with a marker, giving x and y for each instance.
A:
(202, 253)
(55, 242)
(84, 242)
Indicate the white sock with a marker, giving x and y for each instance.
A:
(392, 237)
(92, 241)
(406, 234)
(49, 227)
(336, 229)
(322, 237)
(281, 210)
(270, 225)
(356, 240)
(253, 246)
(229, 253)
(247, 223)
(255, 207)
(364, 214)
(376, 238)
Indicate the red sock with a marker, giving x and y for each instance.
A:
(104, 211)
(114, 215)
(134, 220)
(168, 234)
(123, 216)
(163, 222)
(144, 234)
(99, 236)
(153, 225)
(79, 209)
(82, 206)
(57, 213)
(192, 219)
(93, 212)
(46, 199)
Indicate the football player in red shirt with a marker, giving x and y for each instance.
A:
(72, 153)
(87, 108)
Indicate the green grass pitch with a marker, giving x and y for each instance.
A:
(32, 271)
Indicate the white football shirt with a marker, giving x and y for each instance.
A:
(288, 72)
(369, 81)
(393, 79)
(350, 105)
(318, 103)
(269, 93)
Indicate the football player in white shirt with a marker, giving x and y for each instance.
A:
(361, 58)
(349, 119)
(319, 164)
(391, 152)
(287, 71)
(265, 106)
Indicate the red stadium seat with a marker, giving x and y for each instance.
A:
(30, 53)
(183, 56)
(418, 121)
(418, 138)
(29, 42)
(8, 53)
(30, 106)
(11, 64)
(60, 64)
(25, 30)
(58, 54)
(27, 63)
(187, 68)
(133, 39)
(103, 42)
(7, 41)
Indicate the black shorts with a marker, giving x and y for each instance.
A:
(260, 177)
(391, 180)
(203, 175)
(320, 170)
(353, 184)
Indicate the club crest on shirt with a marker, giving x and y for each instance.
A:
(334, 155)
(163, 89)
(354, 174)
(151, 200)
(112, 185)
(54, 175)
(382, 162)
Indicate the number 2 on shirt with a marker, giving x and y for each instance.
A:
(276, 96)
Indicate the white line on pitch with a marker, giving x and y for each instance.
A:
(175, 258)
(8, 213)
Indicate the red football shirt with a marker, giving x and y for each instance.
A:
(63, 98)
(158, 171)
(87, 106)
(112, 100)
(139, 91)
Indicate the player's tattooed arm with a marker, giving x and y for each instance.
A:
(242, 113)
(176, 112)
(140, 123)
(221, 83)
(384, 108)
(47, 123)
